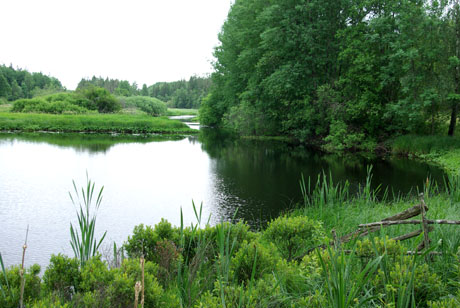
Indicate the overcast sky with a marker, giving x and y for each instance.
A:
(137, 40)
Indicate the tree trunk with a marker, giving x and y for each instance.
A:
(453, 120)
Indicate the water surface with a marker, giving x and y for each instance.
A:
(149, 178)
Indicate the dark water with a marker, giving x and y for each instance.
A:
(149, 178)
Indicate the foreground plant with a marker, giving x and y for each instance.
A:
(82, 240)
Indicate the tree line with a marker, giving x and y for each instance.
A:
(179, 94)
(19, 83)
(348, 72)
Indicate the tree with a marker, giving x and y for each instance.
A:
(454, 63)
(5, 89)
(144, 91)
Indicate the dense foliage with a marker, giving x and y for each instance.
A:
(182, 93)
(149, 105)
(90, 99)
(350, 73)
(114, 86)
(18, 83)
(178, 94)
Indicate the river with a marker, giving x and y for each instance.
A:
(149, 178)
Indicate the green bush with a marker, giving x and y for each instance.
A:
(265, 259)
(32, 286)
(62, 276)
(48, 302)
(121, 290)
(95, 275)
(293, 236)
(60, 103)
(101, 100)
(149, 105)
(145, 238)
(427, 284)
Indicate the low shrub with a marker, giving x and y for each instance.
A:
(253, 260)
(95, 275)
(149, 105)
(145, 238)
(32, 286)
(62, 276)
(293, 236)
(121, 289)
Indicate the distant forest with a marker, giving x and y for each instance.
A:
(178, 94)
(19, 83)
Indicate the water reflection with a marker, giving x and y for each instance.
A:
(147, 178)
(90, 143)
(261, 178)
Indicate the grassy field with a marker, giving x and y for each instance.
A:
(98, 123)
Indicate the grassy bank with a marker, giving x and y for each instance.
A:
(181, 111)
(228, 265)
(98, 123)
(442, 150)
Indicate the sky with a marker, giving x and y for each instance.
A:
(143, 41)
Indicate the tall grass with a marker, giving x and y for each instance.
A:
(323, 192)
(188, 271)
(345, 288)
(82, 240)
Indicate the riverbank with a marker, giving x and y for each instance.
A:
(92, 123)
(441, 150)
(229, 265)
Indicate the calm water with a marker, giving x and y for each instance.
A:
(147, 179)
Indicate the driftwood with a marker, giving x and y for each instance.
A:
(411, 234)
(398, 219)
(410, 222)
(409, 213)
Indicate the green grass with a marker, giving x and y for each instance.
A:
(5, 108)
(181, 111)
(442, 150)
(95, 123)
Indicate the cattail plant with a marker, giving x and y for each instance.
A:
(82, 240)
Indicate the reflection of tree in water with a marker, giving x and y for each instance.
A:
(90, 143)
(261, 178)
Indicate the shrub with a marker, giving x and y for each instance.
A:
(55, 104)
(149, 105)
(294, 235)
(250, 253)
(427, 285)
(62, 276)
(101, 100)
(145, 238)
(31, 287)
(95, 275)
(47, 302)
(121, 290)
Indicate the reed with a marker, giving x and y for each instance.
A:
(82, 240)
(345, 288)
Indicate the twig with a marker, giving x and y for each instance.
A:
(21, 272)
(142, 282)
